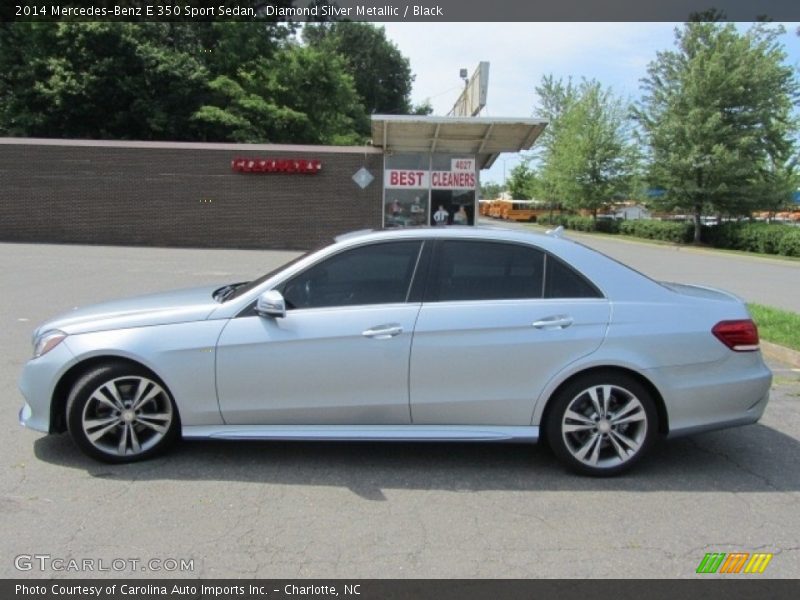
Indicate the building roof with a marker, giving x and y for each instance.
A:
(484, 137)
(25, 141)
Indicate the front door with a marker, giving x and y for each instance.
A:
(340, 356)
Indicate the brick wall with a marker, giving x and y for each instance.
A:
(180, 195)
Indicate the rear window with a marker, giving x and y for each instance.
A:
(562, 281)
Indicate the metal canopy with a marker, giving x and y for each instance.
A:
(482, 136)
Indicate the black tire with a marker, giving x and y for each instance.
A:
(120, 413)
(607, 442)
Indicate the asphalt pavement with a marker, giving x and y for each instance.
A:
(372, 510)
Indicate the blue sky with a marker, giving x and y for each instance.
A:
(616, 54)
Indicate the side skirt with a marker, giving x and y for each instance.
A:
(371, 433)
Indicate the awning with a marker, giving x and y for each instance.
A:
(482, 136)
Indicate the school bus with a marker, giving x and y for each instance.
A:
(513, 210)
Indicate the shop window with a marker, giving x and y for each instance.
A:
(406, 190)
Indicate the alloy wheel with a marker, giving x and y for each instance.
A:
(604, 426)
(127, 416)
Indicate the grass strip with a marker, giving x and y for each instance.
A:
(777, 325)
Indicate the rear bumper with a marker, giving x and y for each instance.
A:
(711, 396)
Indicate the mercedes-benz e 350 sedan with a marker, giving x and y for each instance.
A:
(443, 334)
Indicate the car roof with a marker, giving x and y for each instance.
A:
(451, 232)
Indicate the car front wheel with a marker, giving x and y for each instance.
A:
(120, 413)
(601, 424)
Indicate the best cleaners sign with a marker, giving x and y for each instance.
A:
(437, 180)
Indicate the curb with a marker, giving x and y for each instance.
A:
(781, 353)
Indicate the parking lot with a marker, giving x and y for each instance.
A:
(368, 510)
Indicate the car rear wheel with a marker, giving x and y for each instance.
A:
(120, 413)
(602, 424)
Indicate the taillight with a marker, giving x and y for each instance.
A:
(741, 335)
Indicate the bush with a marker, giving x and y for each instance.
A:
(764, 238)
(724, 235)
(607, 226)
(554, 220)
(755, 237)
(578, 223)
(667, 231)
(790, 243)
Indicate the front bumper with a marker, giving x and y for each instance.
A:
(37, 384)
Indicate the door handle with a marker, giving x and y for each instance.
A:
(383, 332)
(554, 322)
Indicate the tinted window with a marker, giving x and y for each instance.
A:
(566, 282)
(373, 274)
(487, 271)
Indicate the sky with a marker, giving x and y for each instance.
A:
(519, 54)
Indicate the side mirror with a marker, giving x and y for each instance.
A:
(271, 304)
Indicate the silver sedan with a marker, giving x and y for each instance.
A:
(444, 334)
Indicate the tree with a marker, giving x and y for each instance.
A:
(780, 180)
(490, 190)
(302, 95)
(554, 99)
(382, 75)
(122, 80)
(596, 158)
(587, 155)
(97, 80)
(522, 182)
(717, 116)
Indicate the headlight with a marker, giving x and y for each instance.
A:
(47, 341)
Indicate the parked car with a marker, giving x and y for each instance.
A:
(435, 334)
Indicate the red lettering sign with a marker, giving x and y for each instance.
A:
(303, 166)
(452, 180)
(403, 178)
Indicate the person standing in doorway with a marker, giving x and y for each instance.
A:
(441, 216)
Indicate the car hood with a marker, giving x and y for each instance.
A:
(178, 306)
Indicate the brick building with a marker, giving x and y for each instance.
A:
(247, 195)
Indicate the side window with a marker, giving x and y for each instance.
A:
(372, 274)
(565, 282)
(487, 271)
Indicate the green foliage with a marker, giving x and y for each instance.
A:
(578, 223)
(422, 109)
(789, 245)
(777, 325)
(587, 155)
(749, 237)
(717, 116)
(203, 81)
(755, 237)
(301, 95)
(522, 182)
(490, 190)
(382, 75)
(666, 231)
(101, 80)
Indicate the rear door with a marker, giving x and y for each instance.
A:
(499, 320)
